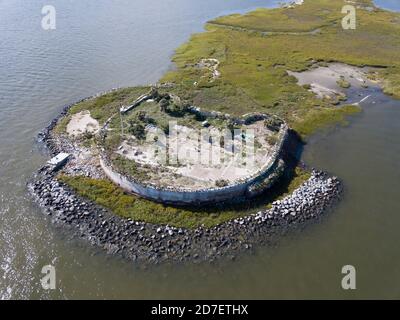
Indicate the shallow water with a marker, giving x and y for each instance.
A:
(98, 46)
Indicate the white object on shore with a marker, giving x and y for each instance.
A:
(59, 160)
(205, 123)
(362, 100)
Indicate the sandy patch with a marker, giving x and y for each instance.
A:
(324, 80)
(82, 122)
(201, 163)
(211, 65)
(292, 4)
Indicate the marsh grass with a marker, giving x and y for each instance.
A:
(126, 205)
(254, 64)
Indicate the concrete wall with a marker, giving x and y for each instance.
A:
(182, 196)
(173, 195)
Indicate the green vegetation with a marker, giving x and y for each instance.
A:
(343, 83)
(391, 83)
(324, 118)
(129, 168)
(159, 114)
(257, 48)
(104, 106)
(137, 129)
(107, 194)
(305, 18)
(273, 124)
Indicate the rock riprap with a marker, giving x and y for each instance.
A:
(152, 244)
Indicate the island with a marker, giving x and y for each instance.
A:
(127, 173)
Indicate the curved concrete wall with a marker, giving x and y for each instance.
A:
(173, 196)
(181, 196)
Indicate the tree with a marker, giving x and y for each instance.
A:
(137, 129)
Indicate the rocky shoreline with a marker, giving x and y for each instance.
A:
(152, 244)
(148, 243)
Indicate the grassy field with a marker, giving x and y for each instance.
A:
(107, 194)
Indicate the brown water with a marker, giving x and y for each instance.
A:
(104, 44)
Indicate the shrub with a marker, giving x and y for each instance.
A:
(164, 103)
(176, 110)
(221, 183)
(273, 123)
(343, 83)
(137, 129)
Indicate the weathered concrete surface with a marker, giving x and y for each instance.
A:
(181, 196)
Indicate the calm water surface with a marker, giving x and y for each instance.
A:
(103, 44)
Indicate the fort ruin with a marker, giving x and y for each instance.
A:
(166, 151)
